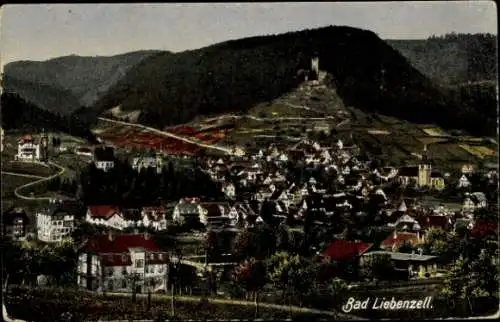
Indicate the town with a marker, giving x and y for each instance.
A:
(236, 225)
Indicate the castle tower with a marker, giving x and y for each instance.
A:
(424, 170)
(314, 68)
(44, 146)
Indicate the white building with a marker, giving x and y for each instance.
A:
(53, 224)
(106, 215)
(27, 149)
(120, 263)
(229, 190)
(474, 201)
(140, 163)
(104, 158)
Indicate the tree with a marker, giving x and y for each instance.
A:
(132, 280)
(377, 266)
(210, 245)
(471, 278)
(251, 274)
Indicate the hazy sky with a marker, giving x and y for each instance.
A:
(42, 31)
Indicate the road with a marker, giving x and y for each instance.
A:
(19, 195)
(22, 175)
(171, 135)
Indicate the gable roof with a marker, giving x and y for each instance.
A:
(103, 211)
(343, 249)
(484, 227)
(398, 239)
(408, 171)
(119, 244)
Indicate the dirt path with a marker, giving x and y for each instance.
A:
(19, 195)
(22, 175)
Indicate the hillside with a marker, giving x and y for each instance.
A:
(17, 113)
(76, 81)
(452, 58)
(235, 75)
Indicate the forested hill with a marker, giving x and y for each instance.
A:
(16, 113)
(453, 58)
(235, 75)
(64, 84)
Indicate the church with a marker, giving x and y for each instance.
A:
(422, 174)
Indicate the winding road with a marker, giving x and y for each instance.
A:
(40, 179)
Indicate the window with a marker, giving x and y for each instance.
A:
(124, 270)
(152, 256)
(109, 271)
(150, 269)
(139, 263)
(161, 256)
(124, 283)
(110, 285)
(160, 268)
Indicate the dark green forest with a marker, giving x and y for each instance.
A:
(453, 58)
(235, 75)
(17, 113)
(126, 187)
(67, 83)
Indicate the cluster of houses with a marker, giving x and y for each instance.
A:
(345, 185)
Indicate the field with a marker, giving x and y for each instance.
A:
(435, 132)
(49, 305)
(130, 137)
(478, 151)
(10, 183)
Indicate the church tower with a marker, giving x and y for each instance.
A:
(424, 170)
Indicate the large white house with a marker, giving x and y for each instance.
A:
(54, 224)
(106, 215)
(27, 149)
(120, 263)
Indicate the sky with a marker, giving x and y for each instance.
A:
(44, 31)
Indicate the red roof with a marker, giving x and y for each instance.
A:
(343, 249)
(484, 227)
(212, 209)
(434, 221)
(104, 212)
(115, 251)
(398, 239)
(26, 138)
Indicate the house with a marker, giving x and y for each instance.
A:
(412, 263)
(154, 162)
(84, 151)
(397, 239)
(106, 215)
(341, 250)
(436, 221)
(467, 169)
(27, 149)
(187, 211)
(463, 182)
(473, 201)
(104, 158)
(15, 222)
(406, 223)
(54, 224)
(483, 228)
(154, 218)
(118, 263)
(229, 190)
